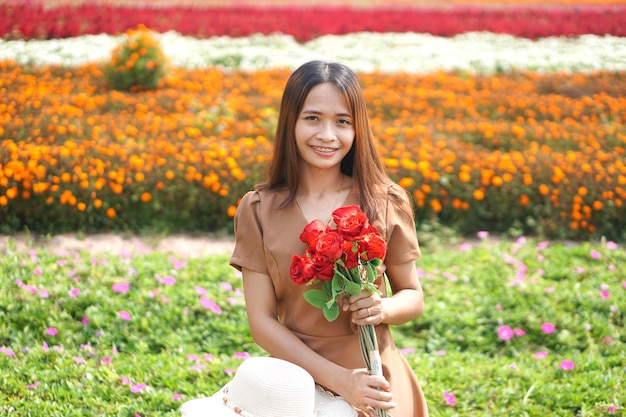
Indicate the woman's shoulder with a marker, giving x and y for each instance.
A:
(397, 195)
(265, 197)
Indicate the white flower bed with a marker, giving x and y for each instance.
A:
(479, 52)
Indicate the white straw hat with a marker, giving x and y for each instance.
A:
(269, 387)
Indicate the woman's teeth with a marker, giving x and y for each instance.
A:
(325, 150)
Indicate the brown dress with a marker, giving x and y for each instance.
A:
(266, 238)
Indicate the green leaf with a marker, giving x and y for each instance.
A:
(351, 288)
(337, 282)
(317, 298)
(331, 313)
(327, 287)
(376, 262)
(371, 273)
(371, 288)
(354, 275)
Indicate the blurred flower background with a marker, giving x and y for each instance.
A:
(504, 119)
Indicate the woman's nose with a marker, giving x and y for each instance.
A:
(327, 131)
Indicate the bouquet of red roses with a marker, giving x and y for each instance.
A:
(344, 260)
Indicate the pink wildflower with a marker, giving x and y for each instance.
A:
(505, 333)
(138, 387)
(124, 315)
(177, 264)
(7, 351)
(547, 328)
(121, 287)
(465, 247)
(566, 365)
(210, 305)
(608, 340)
(241, 355)
(166, 280)
(449, 398)
(542, 245)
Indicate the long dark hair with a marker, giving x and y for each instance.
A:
(362, 162)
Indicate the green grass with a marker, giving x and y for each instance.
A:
(185, 338)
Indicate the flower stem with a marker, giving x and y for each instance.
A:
(371, 355)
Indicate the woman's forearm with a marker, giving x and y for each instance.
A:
(403, 306)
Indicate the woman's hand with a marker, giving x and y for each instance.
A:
(367, 392)
(365, 308)
(405, 303)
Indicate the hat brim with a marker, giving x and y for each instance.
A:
(326, 405)
(212, 406)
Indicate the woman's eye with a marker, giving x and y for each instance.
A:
(344, 122)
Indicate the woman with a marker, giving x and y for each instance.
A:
(325, 157)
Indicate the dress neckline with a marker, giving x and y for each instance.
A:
(329, 222)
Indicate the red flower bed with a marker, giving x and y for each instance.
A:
(33, 21)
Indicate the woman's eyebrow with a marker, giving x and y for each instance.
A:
(316, 112)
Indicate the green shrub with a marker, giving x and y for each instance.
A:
(137, 64)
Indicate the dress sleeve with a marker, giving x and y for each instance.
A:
(249, 250)
(402, 243)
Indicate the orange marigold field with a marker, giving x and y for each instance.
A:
(519, 153)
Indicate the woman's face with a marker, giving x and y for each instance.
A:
(324, 128)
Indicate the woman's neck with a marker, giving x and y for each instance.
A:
(318, 197)
(318, 186)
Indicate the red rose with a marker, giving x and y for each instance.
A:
(350, 254)
(324, 268)
(312, 231)
(373, 246)
(328, 245)
(301, 270)
(351, 221)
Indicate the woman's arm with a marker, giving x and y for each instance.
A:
(407, 300)
(355, 385)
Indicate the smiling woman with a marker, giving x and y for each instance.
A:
(324, 155)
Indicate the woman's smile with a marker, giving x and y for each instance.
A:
(324, 149)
